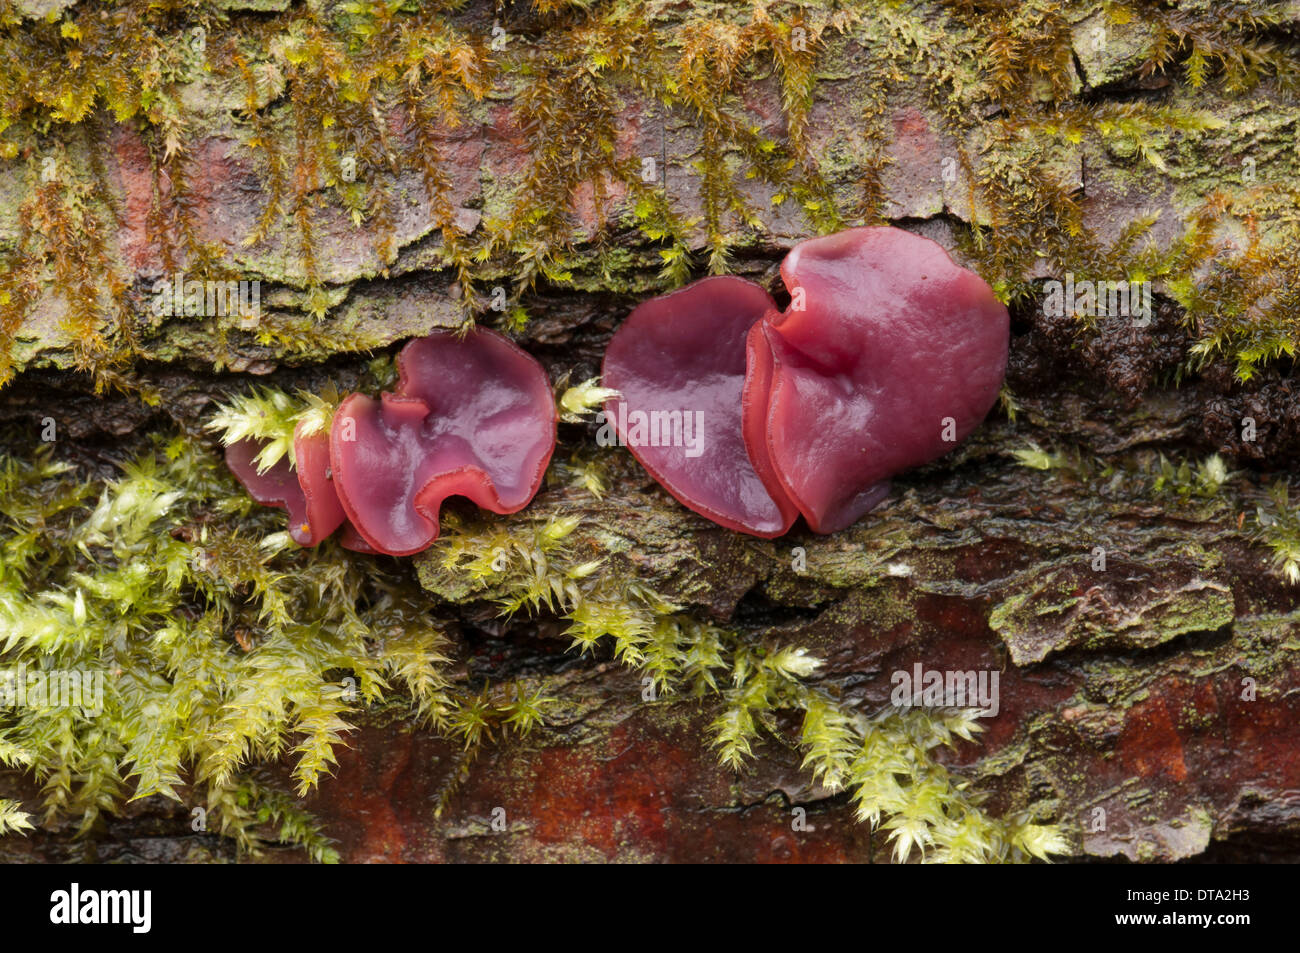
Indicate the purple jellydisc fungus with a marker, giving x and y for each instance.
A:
(324, 511)
(679, 363)
(305, 490)
(896, 356)
(278, 486)
(472, 415)
(888, 356)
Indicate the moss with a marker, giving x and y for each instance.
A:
(550, 560)
(543, 562)
(216, 646)
(313, 82)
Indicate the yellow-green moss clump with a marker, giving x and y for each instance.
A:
(202, 642)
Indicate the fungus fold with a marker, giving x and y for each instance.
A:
(323, 511)
(305, 491)
(679, 363)
(888, 356)
(472, 415)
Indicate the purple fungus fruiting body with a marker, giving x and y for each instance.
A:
(679, 363)
(897, 355)
(472, 415)
(277, 486)
(323, 511)
(305, 491)
(888, 356)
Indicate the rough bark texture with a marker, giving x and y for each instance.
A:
(1162, 689)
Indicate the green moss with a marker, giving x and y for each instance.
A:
(884, 760)
(215, 644)
(314, 83)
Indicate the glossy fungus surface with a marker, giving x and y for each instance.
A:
(888, 356)
(306, 492)
(679, 363)
(472, 415)
(896, 356)
(323, 513)
(278, 486)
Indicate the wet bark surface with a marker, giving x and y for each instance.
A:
(1150, 704)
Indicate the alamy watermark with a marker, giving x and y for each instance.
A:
(935, 688)
(22, 687)
(133, 908)
(652, 428)
(207, 299)
(1098, 299)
